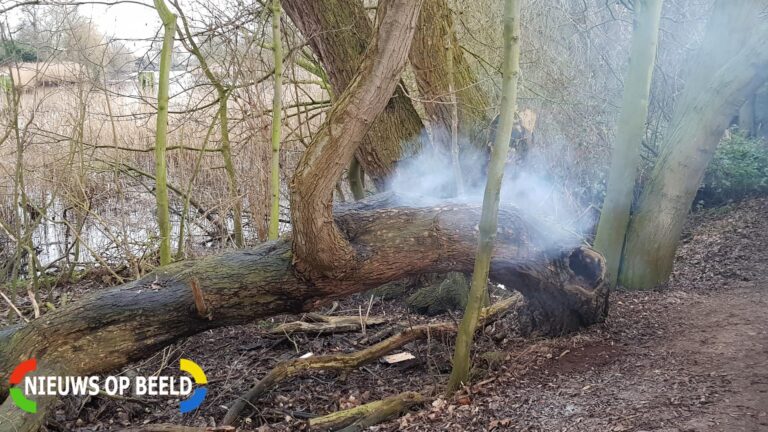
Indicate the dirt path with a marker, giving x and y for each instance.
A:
(728, 339)
(690, 362)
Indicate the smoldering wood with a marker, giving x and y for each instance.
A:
(110, 328)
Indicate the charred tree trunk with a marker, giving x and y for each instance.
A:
(339, 32)
(113, 327)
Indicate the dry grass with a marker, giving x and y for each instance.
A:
(85, 143)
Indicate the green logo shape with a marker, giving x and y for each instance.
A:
(21, 401)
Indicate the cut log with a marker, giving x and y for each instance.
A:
(110, 328)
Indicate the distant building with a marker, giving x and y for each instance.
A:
(45, 74)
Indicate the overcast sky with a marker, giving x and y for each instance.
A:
(125, 21)
(133, 22)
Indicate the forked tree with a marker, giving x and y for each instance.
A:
(630, 131)
(730, 65)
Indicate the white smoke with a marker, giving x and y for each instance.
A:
(528, 185)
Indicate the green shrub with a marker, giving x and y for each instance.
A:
(738, 169)
(16, 51)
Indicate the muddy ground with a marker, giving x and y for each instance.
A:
(691, 356)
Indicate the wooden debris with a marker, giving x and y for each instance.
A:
(327, 324)
(176, 428)
(398, 358)
(364, 416)
(294, 367)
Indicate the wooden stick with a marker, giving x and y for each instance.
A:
(7, 300)
(327, 324)
(197, 294)
(294, 367)
(164, 427)
(364, 416)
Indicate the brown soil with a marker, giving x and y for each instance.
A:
(692, 356)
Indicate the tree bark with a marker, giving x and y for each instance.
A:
(355, 176)
(318, 244)
(362, 417)
(110, 328)
(439, 74)
(277, 116)
(731, 64)
(489, 218)
(161, 132)
(747, 116)
(339, 31)
(614, 218)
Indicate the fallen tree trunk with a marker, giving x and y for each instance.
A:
(110, 328)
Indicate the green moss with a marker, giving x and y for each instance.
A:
(449, 294)
(391, 290)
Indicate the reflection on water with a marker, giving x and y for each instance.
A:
(117, 234)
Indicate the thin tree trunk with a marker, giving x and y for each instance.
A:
(277, 112)
(614, 219)
(731, 64)
(161, 189)
(454, 118)
(223, 93)
(489, 217)
(356, 175)
(229, 167)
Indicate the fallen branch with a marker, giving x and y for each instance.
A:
(363, 416)
(326, 324)
(177, 428)
(294, 367)
(13, 306)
